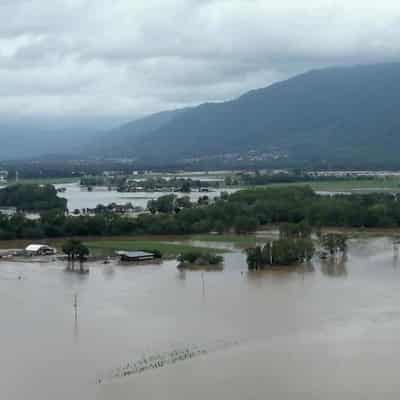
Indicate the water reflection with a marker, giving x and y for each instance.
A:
(395, 259)
(76, 326)
(78, 267)
(181, 274)
(203, 286)
(334, 266)
(307, 267)
(109, 272)
(76, 331)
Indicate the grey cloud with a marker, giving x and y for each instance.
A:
(128, 58)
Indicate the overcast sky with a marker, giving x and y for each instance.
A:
(131, 57)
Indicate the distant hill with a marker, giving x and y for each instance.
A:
(31, 137)
(121, 141)
(341, 115)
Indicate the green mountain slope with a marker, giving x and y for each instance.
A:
(343, 115)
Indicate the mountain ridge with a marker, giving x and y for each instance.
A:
(336, 114)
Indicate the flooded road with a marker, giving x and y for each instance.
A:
(321, 332)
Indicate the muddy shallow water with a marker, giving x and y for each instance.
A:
(316, 332)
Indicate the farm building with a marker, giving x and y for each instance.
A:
(3, 176)
(9, 211)
(40, 250)
(135, 256)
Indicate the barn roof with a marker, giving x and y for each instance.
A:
(134, 254)
(36, 247)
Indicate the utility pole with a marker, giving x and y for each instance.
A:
(76, 307)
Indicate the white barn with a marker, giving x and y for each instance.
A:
(40, 250)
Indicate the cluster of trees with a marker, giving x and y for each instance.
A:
(30, 197)
(168, 204)
(294, 246)
(296, 204)
(111, 208)
(200, 258)
(102, 180)
(75, 249)
(243, 212)
(334, 243)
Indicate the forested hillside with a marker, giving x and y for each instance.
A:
(342, 115)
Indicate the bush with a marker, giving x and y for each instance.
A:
(214, 259)
(245, 224)
(157, 253)
(190, 256)
(202, 258)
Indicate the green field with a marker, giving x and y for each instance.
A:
(108, 247)
(168, 245)
(232, 238)
(44, 181)
(356, 185)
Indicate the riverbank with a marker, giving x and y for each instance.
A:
(391, 184)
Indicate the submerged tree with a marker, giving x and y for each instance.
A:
(334, 243)
(280, 252)
(290, 230)
(255, 259)
(75, 249)
(294, 246)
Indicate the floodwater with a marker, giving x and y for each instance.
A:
(79, 198)
(323, 331)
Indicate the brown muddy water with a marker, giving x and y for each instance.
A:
(325, 331)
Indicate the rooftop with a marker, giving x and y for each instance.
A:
(36, 247)
(134, 254)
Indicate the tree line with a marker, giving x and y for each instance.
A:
(241, 212)
(31, 197)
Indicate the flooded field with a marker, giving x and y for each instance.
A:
(146, 332)
(79, 198)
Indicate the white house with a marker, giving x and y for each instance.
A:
(40, 250)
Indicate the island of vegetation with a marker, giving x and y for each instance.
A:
(200, 260)
(294, 247)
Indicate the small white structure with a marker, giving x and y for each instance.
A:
(40, 250)
(9, 211)
(135, 255)
(3, 176)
